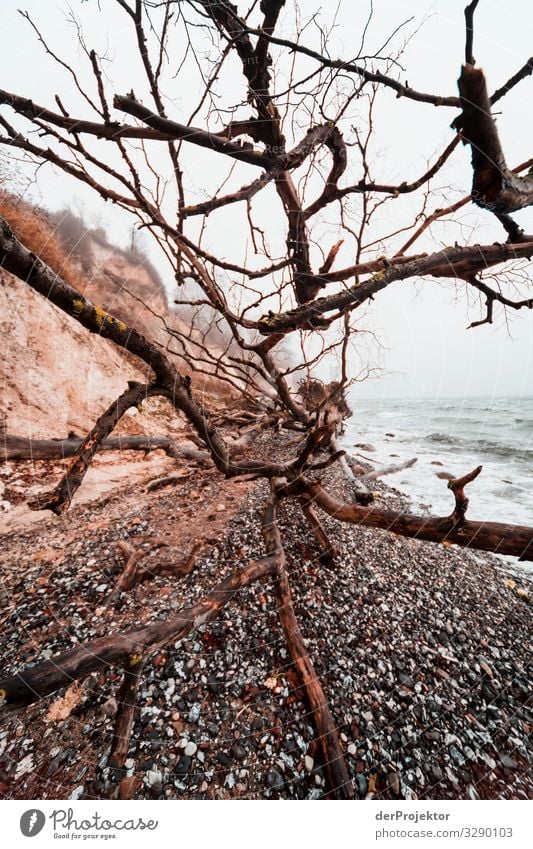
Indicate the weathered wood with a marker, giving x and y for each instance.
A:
(59, 499)
(127, 704)
(328, 552)
(497, 537)
(339, 784)
(167, 480)
(34, 682)
(361, 492)
(22, 448)
(495, 186)
(126, 579)
(390, 470)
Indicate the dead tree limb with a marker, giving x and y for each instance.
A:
(328, 552)
(390, 470)
(22, 448)
(469, 23)
(339, 784)
(21, 262)
(495, 187)
(361, 492)
(460, 262)
(34, 682)
(167, 480)
(497, 537)
(127, 577)
(127, 704)
(59, 499)
(457, 485)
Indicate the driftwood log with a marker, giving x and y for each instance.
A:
(126, 648)
(390, 470)
(21, 448)
(498, 537)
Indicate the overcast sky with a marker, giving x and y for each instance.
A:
(425, 347)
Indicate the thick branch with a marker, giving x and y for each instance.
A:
(497, 537)
(127, 703)
(35, 682)
(22, 448)
(462, 262)
(495, 187)
(196, 136)
(469, 22)
(59, 500)
(339, 782)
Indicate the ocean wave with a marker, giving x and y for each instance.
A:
(481, 446)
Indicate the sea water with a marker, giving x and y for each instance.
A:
(452, 435)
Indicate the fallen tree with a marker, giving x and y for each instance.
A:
(23, 448)
(257, 316)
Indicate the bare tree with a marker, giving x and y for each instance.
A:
(291, 139)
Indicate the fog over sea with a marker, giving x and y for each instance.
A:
(460, 434)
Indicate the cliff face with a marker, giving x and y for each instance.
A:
(55, 376)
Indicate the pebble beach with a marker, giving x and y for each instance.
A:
(422, 650)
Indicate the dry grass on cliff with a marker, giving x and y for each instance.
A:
(32, 228)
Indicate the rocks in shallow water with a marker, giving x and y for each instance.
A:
(190, 749)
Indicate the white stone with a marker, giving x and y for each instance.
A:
(77, 792)
(153, 776)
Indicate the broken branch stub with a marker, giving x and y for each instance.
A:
(457, 485)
